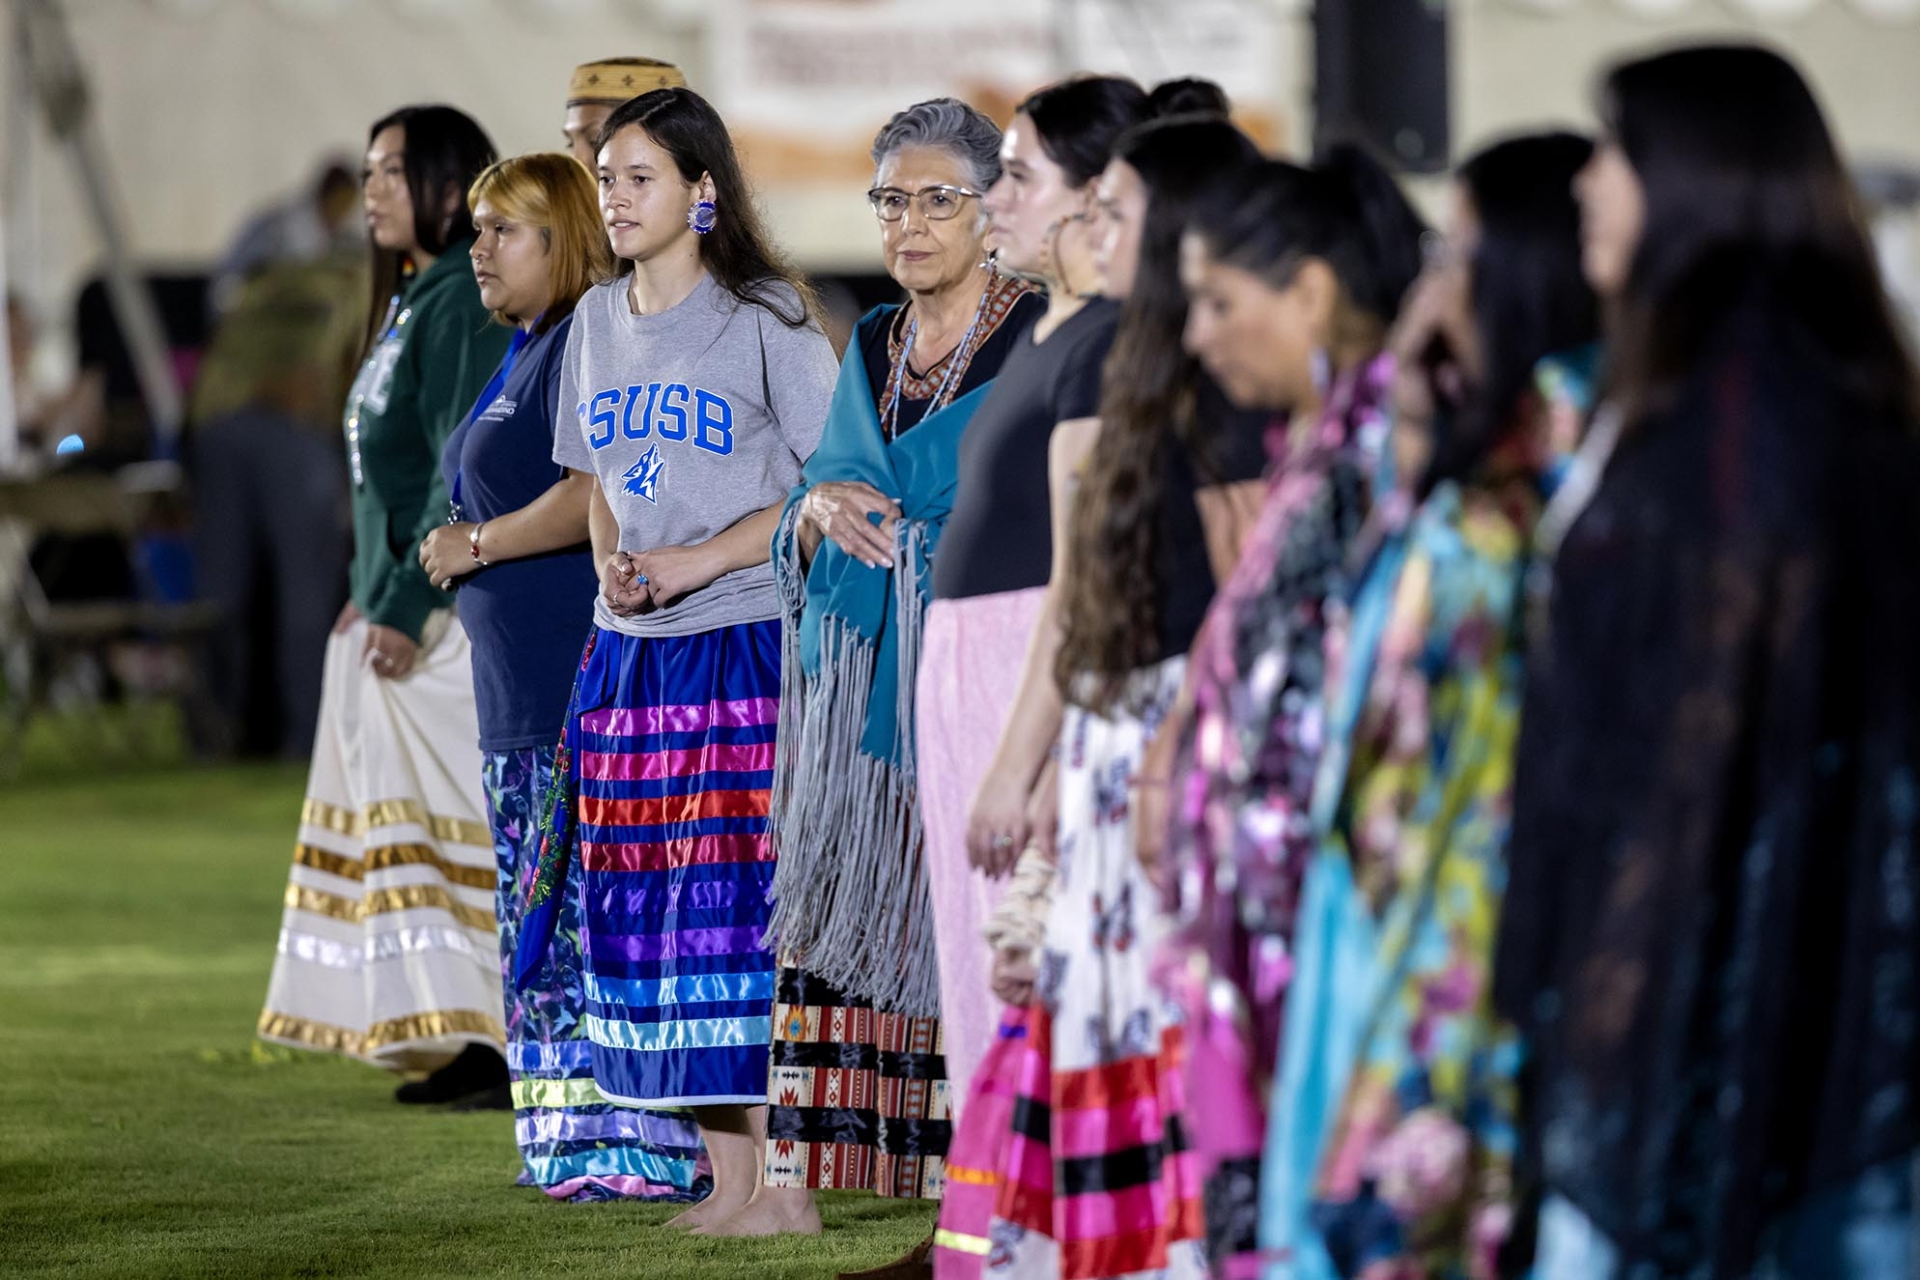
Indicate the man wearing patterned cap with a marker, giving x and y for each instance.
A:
(598, 87)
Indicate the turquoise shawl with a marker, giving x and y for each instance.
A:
(850, 899)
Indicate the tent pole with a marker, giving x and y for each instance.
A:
(53, 67)
(14, 93)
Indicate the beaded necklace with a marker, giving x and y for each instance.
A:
(956, 361)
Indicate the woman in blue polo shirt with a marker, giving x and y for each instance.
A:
(516, 547)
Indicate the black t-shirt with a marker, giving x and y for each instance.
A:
(1233, 450)
(999, 537)
(984, 366)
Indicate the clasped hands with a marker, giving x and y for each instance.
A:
(638, 582)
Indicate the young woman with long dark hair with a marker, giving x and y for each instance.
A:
(699, 383)
(1160, 507)
(1709, 937)
(987, 711)
(1392, 1134)
(387, 952)
(1294, 275)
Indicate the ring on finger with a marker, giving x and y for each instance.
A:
(1003, 842)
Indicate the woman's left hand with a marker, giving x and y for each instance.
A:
(997, 821)
(390, 652)
(447, 553)
(672, 572)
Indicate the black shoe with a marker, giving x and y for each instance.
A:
(498, 1098)
(478, 1068)
(917, 1264)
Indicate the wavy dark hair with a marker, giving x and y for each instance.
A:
(1346, 211)
(1530, 296)
(446, 151)
(1113, 589)
(738, 252)
(1744, 190)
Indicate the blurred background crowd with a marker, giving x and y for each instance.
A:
(1162, 876)
(195, 161)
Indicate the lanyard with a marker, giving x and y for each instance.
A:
(396, 320)
(488, 394)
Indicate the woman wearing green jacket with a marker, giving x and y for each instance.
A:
(386, 949)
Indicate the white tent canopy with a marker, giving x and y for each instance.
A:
(210, 108)
(1880, 10)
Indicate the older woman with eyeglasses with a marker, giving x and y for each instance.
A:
(858, 1092)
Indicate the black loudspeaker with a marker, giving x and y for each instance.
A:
(1381, 78)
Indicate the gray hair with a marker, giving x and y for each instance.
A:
(949, 125)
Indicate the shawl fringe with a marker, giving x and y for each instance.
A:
(850, 894)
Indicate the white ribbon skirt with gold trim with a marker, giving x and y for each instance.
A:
(388, 950)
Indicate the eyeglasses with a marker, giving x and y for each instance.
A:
(936, 204)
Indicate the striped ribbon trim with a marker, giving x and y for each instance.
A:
(679, 1034)
(553, 1094)
(579, 1091)
(972, 1177)
(602, 1162)
(288, 1029)
(394, 813)
(410, 897)
(387, 857)
(382, 947)
(979, 1246)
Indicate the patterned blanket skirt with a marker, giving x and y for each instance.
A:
(858, 1097)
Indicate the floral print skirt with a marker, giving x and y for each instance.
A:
(1099, 1181)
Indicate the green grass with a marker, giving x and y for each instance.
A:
(136, 736)
(143, 1131)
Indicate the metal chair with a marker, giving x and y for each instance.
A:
(42, 638)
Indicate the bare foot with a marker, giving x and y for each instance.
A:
(768, 1215)
(717, 1207)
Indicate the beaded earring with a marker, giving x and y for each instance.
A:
(702, 217)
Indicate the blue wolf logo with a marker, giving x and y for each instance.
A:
(643, 477)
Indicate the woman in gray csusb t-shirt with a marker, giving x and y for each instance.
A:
(696, 384)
